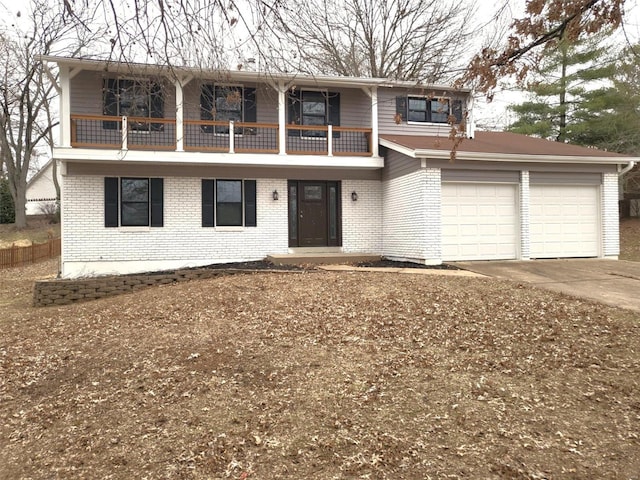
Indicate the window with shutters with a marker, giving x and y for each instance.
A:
(133, 202)
(133, 98)
(228, 203)
(421, 109)
(227, 103)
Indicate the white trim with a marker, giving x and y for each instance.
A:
(374, 121)
(203, 158)
(65, 106)
(434, 154)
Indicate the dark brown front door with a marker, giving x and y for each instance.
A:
(314, 213)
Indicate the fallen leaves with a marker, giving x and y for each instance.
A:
(322, 375)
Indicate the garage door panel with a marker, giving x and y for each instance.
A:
(565, 221)
(479, 221)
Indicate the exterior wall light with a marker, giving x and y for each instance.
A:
(275, 194)
(354, 196)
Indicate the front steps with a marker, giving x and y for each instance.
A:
(321, 258)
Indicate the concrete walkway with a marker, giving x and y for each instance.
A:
(613, 282)
(414, 271)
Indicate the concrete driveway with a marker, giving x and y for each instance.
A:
(613, 282)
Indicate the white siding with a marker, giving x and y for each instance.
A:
(361, 220)
(90, 248)
(41, 192)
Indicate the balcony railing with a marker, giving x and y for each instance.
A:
(95, 131)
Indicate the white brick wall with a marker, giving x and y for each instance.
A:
(610, 216)
(405, 219)
(90, 248)
(433, 216)
(525, 237)
(361, 220)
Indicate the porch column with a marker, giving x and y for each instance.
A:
(65, 107)
(374, 121)
(179, 116)
(282, 118)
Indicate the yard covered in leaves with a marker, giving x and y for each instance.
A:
(318, 375)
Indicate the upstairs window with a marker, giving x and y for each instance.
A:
(428, 110)
(133, 98)
(312, 107)
(227, 103)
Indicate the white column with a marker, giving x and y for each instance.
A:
(65, 107)
(525, 216)
(282, 118)
(330, 140)
(232, 137)
(179, 116)
(374, 121)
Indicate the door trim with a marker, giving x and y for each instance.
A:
(333, 206)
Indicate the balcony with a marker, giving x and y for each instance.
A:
(134, 133)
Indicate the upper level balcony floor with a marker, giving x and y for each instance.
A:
(150, 113)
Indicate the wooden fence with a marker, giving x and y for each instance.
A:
(36, 252)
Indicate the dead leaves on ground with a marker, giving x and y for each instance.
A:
(321, 375)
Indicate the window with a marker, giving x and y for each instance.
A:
(311, 107)
(133, 202)
(227, 103)
(428, 110)
(133, 98)
(228, 203)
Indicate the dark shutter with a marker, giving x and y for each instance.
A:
(157, 105)
(207, 203)
(401, 108)
(250, 203)
(206, 107)
(157, 202)
(334, 112)
(294, 114)
(110, 202)
(110, 102)
(250, 105)
(456, 111)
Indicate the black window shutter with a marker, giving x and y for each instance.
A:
(334, 112)
(250, 105)
(110, 202)
(157, 105)
(294, 111)
(250, 203)
(110, 102)
(401, 108)
(207, 202)
(456, 111)
(206, 107)
(157, 202)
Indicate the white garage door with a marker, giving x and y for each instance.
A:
(479, 221)
(565, 221)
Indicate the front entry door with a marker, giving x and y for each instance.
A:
(314, 214)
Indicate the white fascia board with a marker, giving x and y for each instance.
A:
(434, 154)
(240, 75)
(227, 159)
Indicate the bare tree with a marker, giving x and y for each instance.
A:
(399, 39)
(27, 88)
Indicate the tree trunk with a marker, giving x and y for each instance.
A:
(562, 131)
(20, 202)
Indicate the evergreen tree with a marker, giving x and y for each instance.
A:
(609, 117)
(7, 210)
(565, 76)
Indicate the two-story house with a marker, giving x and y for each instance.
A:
(166, 168)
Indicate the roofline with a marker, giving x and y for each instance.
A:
(40, 171)
(503, 157)
(246, 75)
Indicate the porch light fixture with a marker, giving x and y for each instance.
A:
(354, 196)
(275, 194)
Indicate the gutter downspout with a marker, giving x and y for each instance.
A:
(621, 173)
